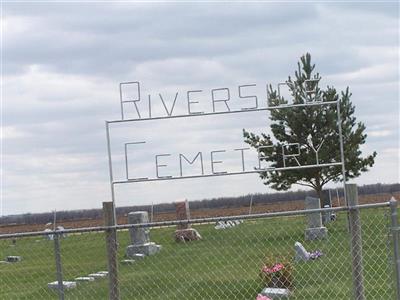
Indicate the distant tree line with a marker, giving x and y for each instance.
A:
(223, 202)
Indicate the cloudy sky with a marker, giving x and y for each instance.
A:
(62, 64)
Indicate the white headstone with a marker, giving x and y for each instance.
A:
(66, 284)
(86, 278)
(230, 224)
(59, 228)
(301, 252)
(97, 275)
(103, 272)
(275, 293)
(13, 258)
(220, 225)
(50, 237)
(128, 261)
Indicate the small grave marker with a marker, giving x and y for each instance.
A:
(275, 293)
(66, 285)
(49, 237)
(301, 252)
(84, 279)
(13, 258)
(227, 224)
(97, 275)
(128, 261)
(103, 272)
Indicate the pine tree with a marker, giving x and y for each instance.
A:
(311, 127)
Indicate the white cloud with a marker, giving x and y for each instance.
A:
(10, 132)
(380, 133)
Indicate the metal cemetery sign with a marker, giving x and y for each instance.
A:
(138, 107)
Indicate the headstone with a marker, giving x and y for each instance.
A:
(49, 237)
(227, 224)
(138, 256)
(220, 225)
(59, 228)
(301, 252)
(325, 198)
(275, 293)
(13, 258)
(182, 213)
(97, 275)
(314, 230)
(184, 232)
(103, 272)
(127, 261)
(230, 224)
(140, 236)
(326, 216)
(66, 284)
(84, 279)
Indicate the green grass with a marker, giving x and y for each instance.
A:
(225, 264)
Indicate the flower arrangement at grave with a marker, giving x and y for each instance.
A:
(277, 274)
(316, 254)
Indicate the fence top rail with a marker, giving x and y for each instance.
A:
(195, 221)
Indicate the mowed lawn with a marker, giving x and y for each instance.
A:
(225, 264)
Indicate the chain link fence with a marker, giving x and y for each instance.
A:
(238, 257)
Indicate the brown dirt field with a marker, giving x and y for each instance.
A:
(199, 213)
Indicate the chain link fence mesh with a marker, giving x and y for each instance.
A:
(235, 262)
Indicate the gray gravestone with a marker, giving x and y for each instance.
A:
(326, 216)
(140, 236)
(314, 230)
(301, 252)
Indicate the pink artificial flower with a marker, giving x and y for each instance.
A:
(262, 297)
(265, 269)
(275, 268)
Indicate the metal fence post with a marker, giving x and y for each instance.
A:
(356, 241)
(57, 254)
(395, 234)
(112, 253)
